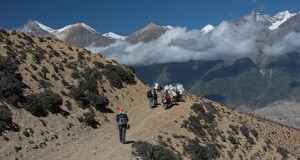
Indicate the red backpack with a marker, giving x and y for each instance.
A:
(168, 97)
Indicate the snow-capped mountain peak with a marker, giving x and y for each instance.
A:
(37, 28)
(280, 18)
(263, 18)
(207, 28)
(114, 36)
(75, 25)
(44, 27)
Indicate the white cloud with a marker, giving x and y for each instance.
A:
(227, 40)
(289, 43)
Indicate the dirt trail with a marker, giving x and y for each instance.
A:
(103, 143)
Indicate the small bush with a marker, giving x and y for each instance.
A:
(33, 67)
(198, 108)
(211, 109)
(148, 151)
(197, 151)
(55, 77)
(99, 65)
(100, 102)
(53, 52)
(11, 85)
(5, 114)
(195, 126)
(38, 57)
(5, 117)
(87, 94)
(39, 104)
(250, 140)
(80, 57)
(284, 152)
(28, 39)
(208, 116)
(116, 75)
(69, 105)
(89, 119)
(75, 74)
(254, 133)
(245, 131)
(70, 48)
(234, 128)
(232, 139)
(4, 32)
(45, 84)
(65, 83)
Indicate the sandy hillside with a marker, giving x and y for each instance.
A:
(187, 129)
(146, 125)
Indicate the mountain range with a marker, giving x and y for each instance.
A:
(252, 66)
(282, 23)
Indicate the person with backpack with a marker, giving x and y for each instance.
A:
(150, 96)
(155, 97)
(122, 120)
(167, 103)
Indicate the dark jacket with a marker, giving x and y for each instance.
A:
(118, 116)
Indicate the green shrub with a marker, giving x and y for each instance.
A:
(99, 65)
(245, 131)
(28, 39)
(4, 32)
(39, 104)
(198, 108)
(234, 128)
(284, 152)
(211, 109)
(33, 67)
(38, 57)
(89, 119)
(197, 151)
(5, 113)
(232, 139)
(45, 84)
(100, 102)
(87, 94)
(208, 116)
(250, 140)
(53, 52)
(80, 57)
(5, 117)
(195, 126)
(148, 151)
(75, 74)
(116, 75)
(254, 133)
(11, 85)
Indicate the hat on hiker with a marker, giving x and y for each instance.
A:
(121, 109)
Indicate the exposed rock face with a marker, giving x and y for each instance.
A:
(287, 113)
(83, 36)
(146, 34)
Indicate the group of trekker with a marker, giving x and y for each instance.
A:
(169, 94)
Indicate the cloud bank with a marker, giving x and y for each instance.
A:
(227, 40)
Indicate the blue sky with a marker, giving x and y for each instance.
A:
(127, 16)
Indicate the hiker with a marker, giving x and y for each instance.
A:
(155, 97)
(150, 96)
(169, 97)
(122, 120)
